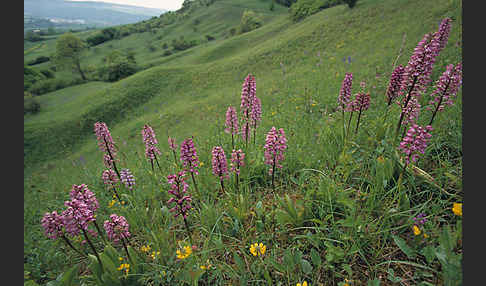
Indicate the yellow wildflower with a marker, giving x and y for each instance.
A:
(145, 248)
(426, 235)
(258, 249)
(124, 266)
(206, 267)
(201, 164)
(186, 251)
(155, 254)
(416, 230)
(111, 203)
(457, 209)
(303, 284)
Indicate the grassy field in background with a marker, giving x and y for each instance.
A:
(345, 198)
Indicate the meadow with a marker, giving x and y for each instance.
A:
(345, 208)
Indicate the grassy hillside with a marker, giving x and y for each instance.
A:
(349, 213)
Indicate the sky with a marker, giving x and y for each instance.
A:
(170, 5)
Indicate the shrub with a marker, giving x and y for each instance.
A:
(181, 44)
(118, 65)
(350, 3)
(209, 38)
(303, 8)
(52, 84)
(167, 53)
(249, 21)
(47, 73)
(31, 105)
(38, 60)
(286, 3)
(31, 76)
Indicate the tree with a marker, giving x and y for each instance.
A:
(69, 50)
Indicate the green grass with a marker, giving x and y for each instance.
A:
(348, 216)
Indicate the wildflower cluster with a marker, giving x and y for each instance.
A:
(258, 249)
(275, 145)
(219, 163)
(344, 97)
(395, 84)
(237, 161)
(117, 228)
(415, 142)
(53, 225)
(250, 107)
(189, 156)
(184, 253)
(127, 178)
(124, 267)
(180, 197)
(446, 88)
(457, 209)
(109, 177)
(231, 123)
(150, 141)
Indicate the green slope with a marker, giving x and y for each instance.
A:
(188, 93)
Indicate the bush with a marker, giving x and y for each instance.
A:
(286, 3)
(303, 8)
(53, 84)
(31, 105)
(249, 21)
(181, 44)
(38, 60)
(118, 65)
(209, 38)
(350, 3)
(31, 76)
(167, 53)
(47, 73)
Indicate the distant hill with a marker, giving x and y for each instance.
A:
(87, 13)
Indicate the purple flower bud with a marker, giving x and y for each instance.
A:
(189, 156)
(127, 178)
(344, 97)
(181, 198)
(275, 145)
(231, 121)
(117, 228)
(415, 142)
(219, 163)
(237, 160)
(52, 224)
(105, 141)
(150, 142)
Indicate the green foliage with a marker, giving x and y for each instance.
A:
(117, 65)
(182, 44)
(69, 51)
(32, 36)
(38, 60)
(31, 76)
(303, 8)
(286, 3)
(338, 212)
(31, 104)
(249, 21)
(351, 3)
(52, 84)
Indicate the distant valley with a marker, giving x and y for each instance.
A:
(42, 14)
